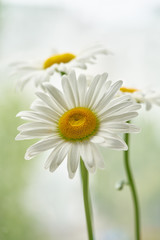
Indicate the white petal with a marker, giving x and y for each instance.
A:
(33, 116)
(79, 64)
(34, 125)
(109, 95)
(47, 111)
(73, 160)
(48, 101)
(97, 156)
(87, 157)
(57, 96)
(91, 90)
(113, 141)
(115, 145)
(97, 139)
(52, 158)
(73, 83)
(90, 54)
(107, 85)
(98, 91)
(57, 156)
(36, 133)
(41, 146)
(112, 110)
(37, 102)
(116, 127)
(121, 117)
(118, 100)
(68, 92)
(133, 107)
(82, 88)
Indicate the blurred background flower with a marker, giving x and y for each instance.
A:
(36, 204)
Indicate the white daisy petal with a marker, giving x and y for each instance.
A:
(131, 108)
(34, 116)
(110, 94)
(91, 53)
(112, 110)
(49, 102)
(73, 83)
(46, 99)
(33, 125)
(107, 85)
(67, 89)
(115, 144)
(73, 160)
(36, 133)
(97, 156)
(80, 64)
(97, 139)
(121, 117)
(99, 91)
(82, 87)
(52, 158)
(41, 146)
(118, 100)
(119, 127)
(57, 96)
(33, 134)
(37, 102)
(44, 109)
(91, 90)
(57, 156)
(87, 157)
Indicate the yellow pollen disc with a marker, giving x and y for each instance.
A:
(60, 58)
(78, 124)
(129, 90)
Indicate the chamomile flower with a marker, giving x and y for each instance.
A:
(148, 97)
(41, 70)
(74, 122)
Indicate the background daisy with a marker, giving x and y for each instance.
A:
(41, 70)
(148, 97)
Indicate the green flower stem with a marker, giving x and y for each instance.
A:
(86, 199)
(133, 189)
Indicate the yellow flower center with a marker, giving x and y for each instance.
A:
(78, 124)
(129, 90)
(60, 58)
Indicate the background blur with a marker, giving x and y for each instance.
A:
(35, 204)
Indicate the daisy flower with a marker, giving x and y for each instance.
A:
(74, 122)
(41, 70)
(148, 97)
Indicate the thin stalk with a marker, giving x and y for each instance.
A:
(133, 189)
(86, 199)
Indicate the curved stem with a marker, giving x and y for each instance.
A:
(86, 199)
(132, 188)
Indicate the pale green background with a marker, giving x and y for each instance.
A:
(35, 204)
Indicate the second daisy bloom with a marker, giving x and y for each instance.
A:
(40, 71)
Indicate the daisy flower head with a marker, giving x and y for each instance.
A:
(41, 70)
(148, 97)
(74, 122)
